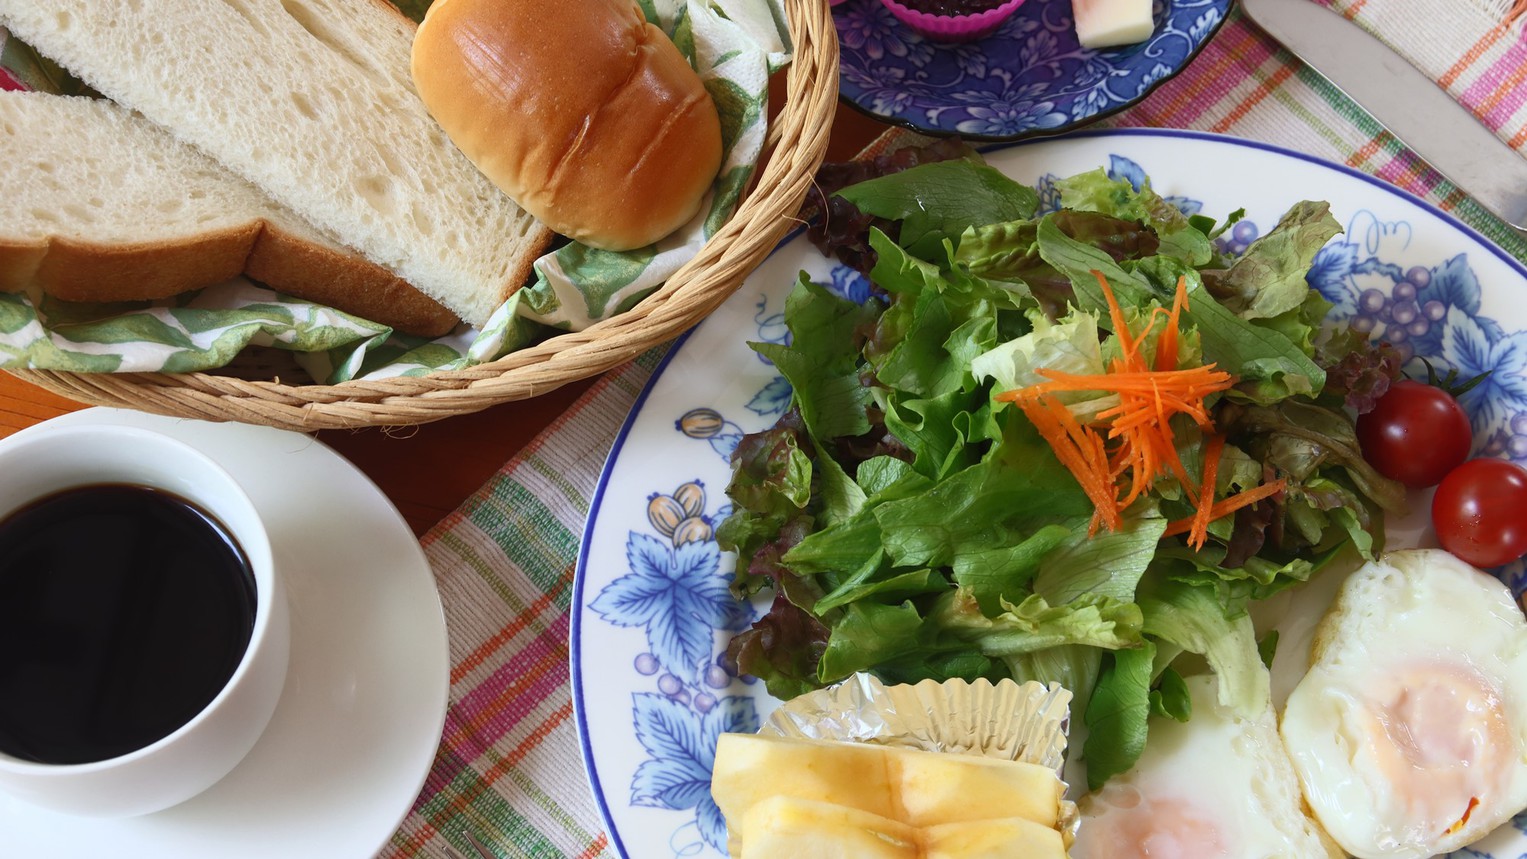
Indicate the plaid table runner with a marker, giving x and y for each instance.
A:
(509, 769)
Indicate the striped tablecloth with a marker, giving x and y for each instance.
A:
(509, 768)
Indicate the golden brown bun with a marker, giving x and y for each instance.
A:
(585, 114)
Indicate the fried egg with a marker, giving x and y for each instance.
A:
(1409, 731)
(1215, 786)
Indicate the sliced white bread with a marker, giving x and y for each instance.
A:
(311, 100)
(103, 205)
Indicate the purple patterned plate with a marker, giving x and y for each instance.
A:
(1028, 79)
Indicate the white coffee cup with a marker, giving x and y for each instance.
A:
(191, 759)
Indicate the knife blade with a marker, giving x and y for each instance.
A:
(1411, 105)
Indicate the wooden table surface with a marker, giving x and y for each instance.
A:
(428, 470)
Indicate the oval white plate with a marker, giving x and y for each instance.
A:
(360, 717)
(653, 612)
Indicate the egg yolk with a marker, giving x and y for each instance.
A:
(1137, 827)
(1438, 736)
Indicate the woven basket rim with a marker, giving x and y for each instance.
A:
(798, 135)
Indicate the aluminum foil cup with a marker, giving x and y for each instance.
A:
(1008, 720)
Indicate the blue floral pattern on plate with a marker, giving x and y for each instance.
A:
(669, 585)
(676, 592)
(1029, 78)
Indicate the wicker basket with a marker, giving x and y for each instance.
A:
(797, 142)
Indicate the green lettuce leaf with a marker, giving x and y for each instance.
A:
(881, 583)
(1034, 625)
(1171, 698)
(969, 194)
(1271, 366)
(821, 361)
(1118, 713)
(1269, 279)
(1094, 191)
(1193, 619)
(996, 573)
(945, 434)
(1078, 262)
(1070, 345)
(1108, 564)
(1019, 487)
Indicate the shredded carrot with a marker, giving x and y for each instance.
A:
(1124, 380)
(1166, 345)
(1080, 451)
(1200, 530)
(1124, 449)
(1226, 506)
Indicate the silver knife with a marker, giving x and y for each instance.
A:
(1408, 103)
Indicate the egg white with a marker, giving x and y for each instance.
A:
(1216, 786)
(1409, 731)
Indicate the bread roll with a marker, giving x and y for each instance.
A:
(584, 113)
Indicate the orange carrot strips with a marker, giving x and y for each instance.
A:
(1166, 345)
(1132, 442)
(1200, 530)
(1080, 450)
(1226, 506)
(1136, 380)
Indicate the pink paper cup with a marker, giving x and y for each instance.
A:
(953, 28)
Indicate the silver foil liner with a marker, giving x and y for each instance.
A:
(1013, 721)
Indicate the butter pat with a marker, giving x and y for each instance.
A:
(1110, 23)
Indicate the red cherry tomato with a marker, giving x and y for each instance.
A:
(1480, 512)
(1415, 434)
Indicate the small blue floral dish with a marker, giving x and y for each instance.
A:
(1027, 79)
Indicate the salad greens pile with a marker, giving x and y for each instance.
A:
(911, 525)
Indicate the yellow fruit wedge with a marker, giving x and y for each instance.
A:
(750, 768)
(1005, 838)
(784, 827)
(934, 788)
(808, 794)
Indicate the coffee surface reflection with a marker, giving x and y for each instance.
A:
(124, 611)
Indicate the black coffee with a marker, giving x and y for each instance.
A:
(123, 612)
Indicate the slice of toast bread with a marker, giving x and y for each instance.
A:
(102, 206)
(312, 101)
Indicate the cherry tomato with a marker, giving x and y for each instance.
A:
(1415, 434)
(1480, 512)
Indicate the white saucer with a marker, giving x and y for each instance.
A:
(353, 737)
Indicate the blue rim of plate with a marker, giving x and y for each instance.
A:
(905, 47)
(575, 627)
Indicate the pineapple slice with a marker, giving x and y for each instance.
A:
(934, 788)
(750, 768)
(1004, 838)
(785, 827)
